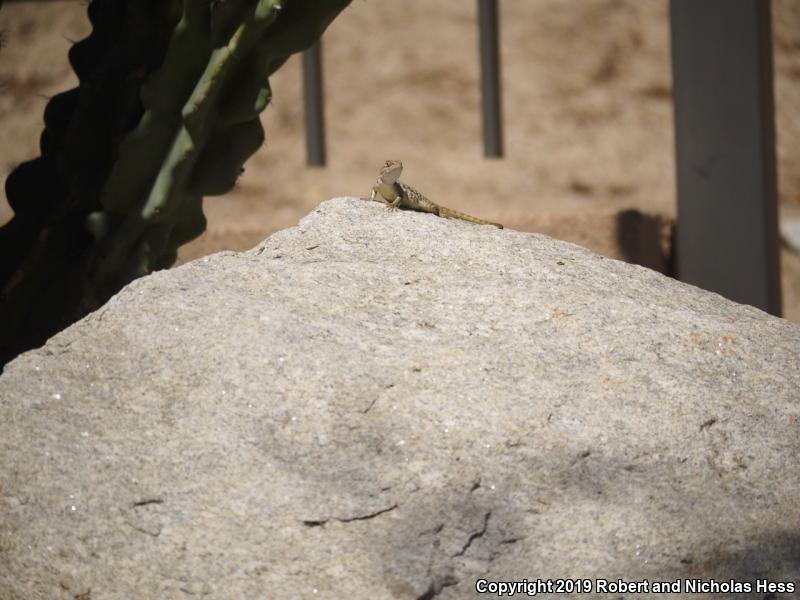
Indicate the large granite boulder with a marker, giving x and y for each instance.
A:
(393, 405)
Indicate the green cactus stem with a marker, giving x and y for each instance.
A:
(165, 113)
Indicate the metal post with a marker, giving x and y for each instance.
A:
(727, 234)
(313, 103)
(490, 78)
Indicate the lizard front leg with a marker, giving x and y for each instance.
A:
(397, 193)
(375, 195)
(394, 204)
(390, 205)
(390, 195)
(379, 194)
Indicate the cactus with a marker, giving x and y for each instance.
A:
(166, 112)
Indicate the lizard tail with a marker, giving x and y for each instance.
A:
(454, 214)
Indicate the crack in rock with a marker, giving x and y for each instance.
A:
(148, 529)
(147, 501)
(312, 523)
(368, 516)
(372, 515)
(474, 536)
(707, 424)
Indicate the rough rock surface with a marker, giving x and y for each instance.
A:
(393, 405)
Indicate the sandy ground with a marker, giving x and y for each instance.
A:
(587, 113)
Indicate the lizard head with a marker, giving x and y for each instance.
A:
(391, 171)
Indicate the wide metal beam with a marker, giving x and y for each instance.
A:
(727, 233)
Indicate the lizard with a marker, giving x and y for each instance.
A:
(396, 194)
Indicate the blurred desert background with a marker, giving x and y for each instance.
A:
(586, 106)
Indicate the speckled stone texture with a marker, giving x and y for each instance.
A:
(382, 404)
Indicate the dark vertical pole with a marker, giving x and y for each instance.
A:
(490, 78)
(727, 238)
(313, 103)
